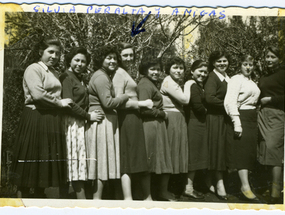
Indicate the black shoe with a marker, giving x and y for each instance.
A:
(224, 198)
(254, 200)
(194, 194)
(160, 198)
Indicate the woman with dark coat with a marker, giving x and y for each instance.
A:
(74, 88)
(271, 119)
(215, 91)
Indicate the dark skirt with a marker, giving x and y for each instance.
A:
(198, 146)
(271, 126)
(216, 140)
(241, 152)
(133, 156)
(40, 150)
(177, 137)
(157, 146)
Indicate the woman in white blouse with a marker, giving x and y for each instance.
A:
(240, 104)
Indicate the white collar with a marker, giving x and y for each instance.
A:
(221, 77)
(43, 65)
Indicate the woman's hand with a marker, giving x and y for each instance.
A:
(66, 102)
(265, 100)
(97, 116)
(146, 103)
(238, 132)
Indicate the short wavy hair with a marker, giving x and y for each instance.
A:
(74, 51)
(214, 56)
(101, 53)
(170, 62)
(146, 63)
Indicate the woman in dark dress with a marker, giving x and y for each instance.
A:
(240, 104)
(156, 139)
(271, 119)
(40, 147)
(198, 147)
(215, 91)
(132, 142)
(74, 88)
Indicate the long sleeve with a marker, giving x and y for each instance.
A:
(231, 101)
(103, 86)
(211, 93)
(36, 92)
(67, 92)
(120, 83)
(231, 98)
(196, 101)
(174, 91)
(144, 93)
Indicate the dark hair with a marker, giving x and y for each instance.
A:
(172, 61)
(198, 64)
(274, 50)
(214, 56)
(148, 62)
(43, 45)
(102, 53)
(74, 51)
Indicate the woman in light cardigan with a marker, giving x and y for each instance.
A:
(240, 104)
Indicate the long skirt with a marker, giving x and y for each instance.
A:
(132, 142)
(271, 126)
(241, 152)
(75, 148)
(40, 150)
(198, 146)
(216, 139)
(157, 146)
(178, 141)
(103, 149)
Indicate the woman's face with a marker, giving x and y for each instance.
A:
(127, 56)
(50, 56)
(153, 72)
(110, 62)
(247, 67)
(271, 60)
(176, 71)
(200, 74)
(78, 63)
(221, 64)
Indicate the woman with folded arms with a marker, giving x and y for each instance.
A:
(102, 139)
(74, 88)
(240, 104)
(215, 91)
(271, 119)
(132, 142)
(198, 147)
(40, 147)
(156, 139)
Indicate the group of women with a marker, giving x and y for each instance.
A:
(114, 128)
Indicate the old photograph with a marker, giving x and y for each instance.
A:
(139, 105)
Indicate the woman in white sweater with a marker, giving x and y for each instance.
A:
(240, 104)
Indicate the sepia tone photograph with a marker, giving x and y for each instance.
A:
(179, 107)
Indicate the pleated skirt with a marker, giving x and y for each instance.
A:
(178, 141)
(157, 146)
(216, 140)
(40, 150)
(198, 146)
(132, 142)
(103, 149)
(75, 149)
(241, 152)
(271, 126)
